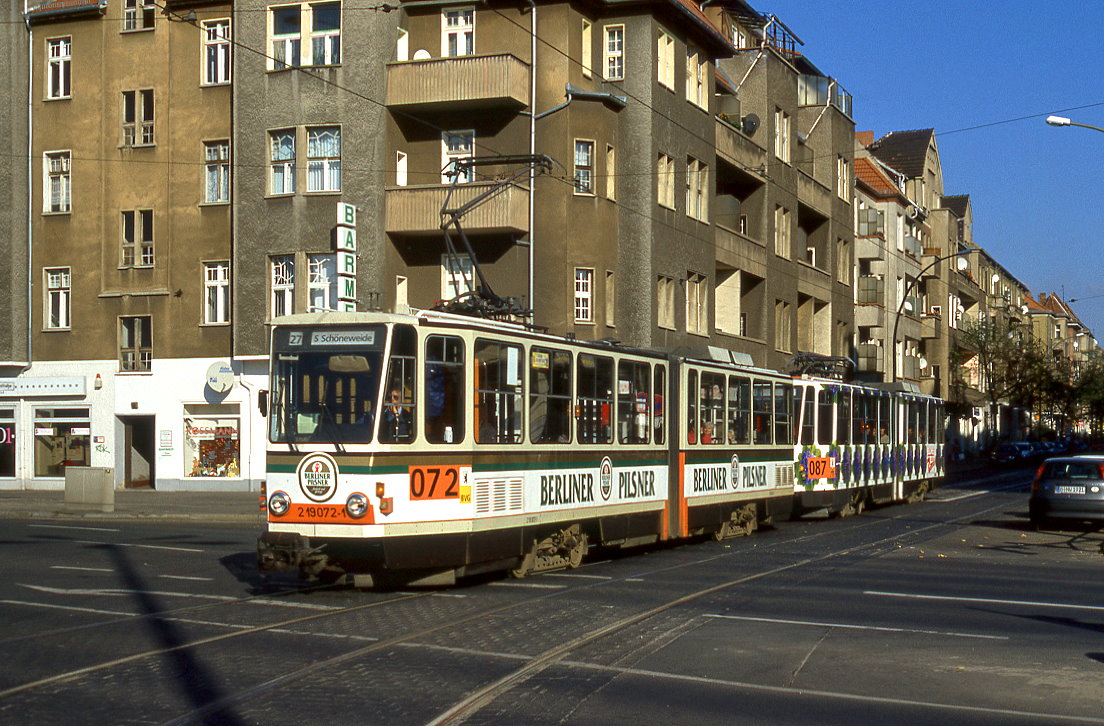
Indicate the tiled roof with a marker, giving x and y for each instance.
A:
(905, 151)
(1033, 305)
(869, 174)
(52, 5)
(866, 138)
(957, 203)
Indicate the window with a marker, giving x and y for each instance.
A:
(137, 242)
(584, 167)
(593, 399)
(58, 297)
(216, 52)
(59, 53)
(697, 303)
(588, 49)
(783, 405)
(216, 293)
(739, 37)
(843, 261)
(57, 195)
(665, 181)
(217, 157)
(739, 410)
(695, 189)
(456, 145)
(584, 295)
(843, 178)
(135, 343)
(138, 118)
(782, 325)
(399, 410)
(211, 436)
(457, 276)
(782, 232)
(138, 14)
(282, 285)
(712, 408)
(659, 393)
(665, 301)
(614, 52)
(695, 77)
(458, 32)
(319, 24)
(611, 172)
(761, 412)
(634, 399)
(444, 389)
(7, 442)
(666, 57)
(282, 162)
(498, 392)
(62, 437)
(549, 396)
(321, 282)
(324, 159)
(400, 169)
(782, 135)
(611, 298)
(402, 45)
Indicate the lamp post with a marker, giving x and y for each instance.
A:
(904, 297)
(1063, 121)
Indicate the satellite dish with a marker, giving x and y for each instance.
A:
(220, 377)
(750, 124)
(421, 54)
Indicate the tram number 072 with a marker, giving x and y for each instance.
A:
(434, 482)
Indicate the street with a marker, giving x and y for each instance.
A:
(949, 611)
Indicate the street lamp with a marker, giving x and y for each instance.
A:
(1063, 121)
(962, 264)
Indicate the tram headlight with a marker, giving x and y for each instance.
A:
(279, 503)
(356, 505)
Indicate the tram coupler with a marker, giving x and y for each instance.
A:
(289, 552)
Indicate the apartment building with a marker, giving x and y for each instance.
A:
(129, 222)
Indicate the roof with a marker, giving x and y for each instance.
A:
(877, 181)
(51, 8)
(957, 203)
(905, 151)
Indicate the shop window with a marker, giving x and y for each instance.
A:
(62, 438)
(7, 443)
(211, 440)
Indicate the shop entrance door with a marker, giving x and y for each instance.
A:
(138, 452)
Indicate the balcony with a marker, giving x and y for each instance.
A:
(913, 246)
(910, 367)
(416, 210)
(737, 149)
(929, 326)
(467, 82)
(911, 306)
(871, 290)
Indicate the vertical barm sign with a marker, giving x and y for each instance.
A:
(345, 246)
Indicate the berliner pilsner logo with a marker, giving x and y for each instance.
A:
(318, 476)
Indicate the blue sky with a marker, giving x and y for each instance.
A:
(1035, 189)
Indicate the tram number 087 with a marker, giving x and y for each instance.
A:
(434, 482)
(822, 467)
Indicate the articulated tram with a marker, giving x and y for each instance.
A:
(437, 446)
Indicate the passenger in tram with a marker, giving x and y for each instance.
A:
(885, 436)
(707, 434)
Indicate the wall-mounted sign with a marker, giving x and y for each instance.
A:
(345, 246)
(59, 386)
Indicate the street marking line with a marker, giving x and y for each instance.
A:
(81, 569)
(579, 575)
(532, 585)
(120, 592)
(986, 600)
(73, 608)
(140, 546)
(62, 526)
(846, 626)
(186, 577)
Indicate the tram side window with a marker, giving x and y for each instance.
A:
(659, 393)
(922, 422)
(824, 424)
(712, 408)
(739, 410)
(783, 413)
(692, 407)
(444, 389)
(808, 413)
(633, 401)
(549, 396)
(843, 416)
(865, 418)
(885, 428)
(761, 412)
(498, 392)
(910, 422)
(397, 420)
(593, 399)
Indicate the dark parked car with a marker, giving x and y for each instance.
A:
(1007, 454)
(1068, 487)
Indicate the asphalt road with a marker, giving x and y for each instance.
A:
(948, 611)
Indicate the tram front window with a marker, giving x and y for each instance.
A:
(324, 396)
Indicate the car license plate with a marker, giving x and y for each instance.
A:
(1066, 489)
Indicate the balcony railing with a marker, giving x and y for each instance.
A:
(871, 289)
(910, 367)
(913, 246)
(417, 209)
(471, 81)
(871, 358)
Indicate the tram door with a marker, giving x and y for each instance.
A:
(138, 452)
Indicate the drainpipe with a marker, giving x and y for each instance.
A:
(30, 192)
(532, 146)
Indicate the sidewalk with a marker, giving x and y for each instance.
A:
(137, 504)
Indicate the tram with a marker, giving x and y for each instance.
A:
(433, 446)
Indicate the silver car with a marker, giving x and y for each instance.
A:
(1068, 487)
